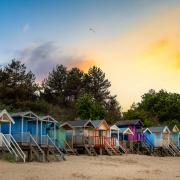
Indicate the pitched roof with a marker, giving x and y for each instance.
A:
(22, 114)
(47, 118)
(159, 129)
(129, 122)
(114, 127)
(80, 123)
(97, 123)
(125, 131)
(9, 118)
(66, 126)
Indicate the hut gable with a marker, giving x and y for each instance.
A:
(147, 130)
(66, 126)
(114, 128)
(47, 119)
(5, 117)
(174, 129)
(101, 125)
(126, 131)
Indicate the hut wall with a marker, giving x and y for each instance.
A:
(131, 137)
(61, 136)
(157, 139)
(16, 128)
(175, 138)
(5, 127)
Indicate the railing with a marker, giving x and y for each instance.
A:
(101, 141)
(17, 148)
(5, 143)
(50, 142)
(22, 137)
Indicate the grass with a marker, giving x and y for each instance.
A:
(7, 157)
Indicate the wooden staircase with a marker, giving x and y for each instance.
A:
(111, 150)
(8, 143)
(168, 150)
(36, 149)
(90, 150)
(175, 148)
(69, 150)
(55, 150)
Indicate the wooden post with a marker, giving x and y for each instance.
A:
(10, 128)
(22, 124)
(41, 132)
(118, 135)
(54, 132)
(37, 130)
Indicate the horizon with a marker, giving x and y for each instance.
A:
(136, 44)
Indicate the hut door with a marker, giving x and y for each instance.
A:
(100, 133)
(165, 138)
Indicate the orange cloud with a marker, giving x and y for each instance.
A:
(84, 65)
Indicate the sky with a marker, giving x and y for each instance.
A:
(136, 43)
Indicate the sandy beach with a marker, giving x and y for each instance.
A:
(136, 167)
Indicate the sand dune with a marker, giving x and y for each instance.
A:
(136, 167)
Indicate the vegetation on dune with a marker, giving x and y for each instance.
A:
(73, 94)
(64, 94)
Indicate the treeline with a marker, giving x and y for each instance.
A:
(156, 108)
(64, 94)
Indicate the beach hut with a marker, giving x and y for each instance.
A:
(121, 135)
(102, 138)
(57, 131)
(135, 126)
(80, 136)
(48, 129)
(26, 132)
(6, 140)
(64, 129)
(175, 135)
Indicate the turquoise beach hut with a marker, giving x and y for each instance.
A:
(175, 135)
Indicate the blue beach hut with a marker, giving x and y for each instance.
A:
(26, 125)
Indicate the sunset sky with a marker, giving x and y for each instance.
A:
(135, 42)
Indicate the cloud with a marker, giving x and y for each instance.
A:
(145, 57)
(26, 28)
(42, 58)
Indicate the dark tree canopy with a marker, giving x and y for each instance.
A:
(54, 85)
(16, 84)
(97, 85)
(157, 108)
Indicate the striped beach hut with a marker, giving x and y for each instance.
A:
(103, 139)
